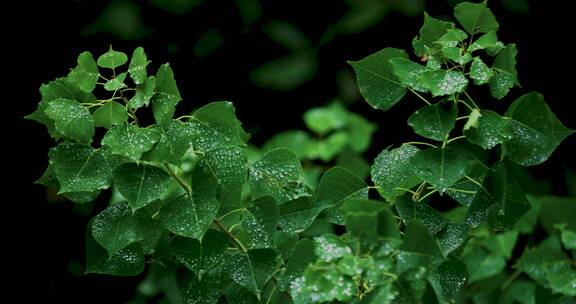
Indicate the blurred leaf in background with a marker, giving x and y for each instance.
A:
(176, 7)
(120, 18)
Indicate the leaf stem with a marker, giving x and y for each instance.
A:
(184, 117)
(473, 181)
(455, 138)
(420, 143)
(230, 236)
(463, 117)
(510, 279)
(404, 189)
(471, 100)
(180, 181)
(427, 195)
(232, 212)
(420, 96)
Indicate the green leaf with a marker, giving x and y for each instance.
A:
(115, 83)
(452, 37)
(391, 171)
(297, 215)
(488, 129)
(277, 173)
(112, 59)
(434, 121)
(126, 262)
(297, 141)
(442, 82)
(301, 257)
(328, 148)
(216, 126)
(441, 167)
(166, 96)
(360, 132)
(80, 168)
(409, 73)
(253, 269)
(431, 31)
(505, 75)
(410, 210)
(130, 141)
(448, 279)
(229, 168)
(206, 290)
(325, 284)
(137, 67)
(488, 42)
(329, 247)
(376, 81)
(480, 72)
(557, 210)
(568, 237)
(336, 186)
(85, 74)
(476, 17)
(110, 114)
(144, 93)
(189, 216)
(456, 54)
(501, 200)
(203, 255)
(176, 138)
(451, 237)
(286, 73)
(480, 264)
(537, 131)
(71, 120)
(502, 244)
(527, 223)
(325, 119)
(260, 222)
(117, 227)
(140, 184)
(417, 240)
(550, 267)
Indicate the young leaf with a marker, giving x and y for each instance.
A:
(110, 114)
(126, 262)
(410, 210)
(537, 131)
(112, 59)
(434, 121)
(329, 247)
(476, 17)
(391, 171)
(80, 168)
(488, 129)
(166, 96)
(409, 73)
(297, 141)
(176, 138)
(488, 42)
(253, 269)
(189, 216)
(360, 132)
(442, 82)
(431, 31)
(116, 227)
(326, 119)
(302, 256)
(260, 222)
(71, 120)
(505, 75)
(441, 167)
(277, 173)
(140, 184)
(376, 81)
(116, 83)
(137, 67)
(130, 141)
(480, 72)
(144, 93)
(203, 255)
(85, 74)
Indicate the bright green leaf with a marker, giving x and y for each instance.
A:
(325, 119)
(140, 184)
(391, 171)
(434, 121)
(166, 96)
(476, 17)
(144, 93)
(480, 72)
(376, 81)
(297, 141)
(488, 42)
(71, 120)
(329, 247)
(116, 83)
(480, 264)
(216, 126)
(502, 244)
(110, 114)
(442, 82)
(85, 74)
(431, 31)
(360, 132)
(137, 67)
(130, 141)
(176, 138)
(112, 59)
(409, 73)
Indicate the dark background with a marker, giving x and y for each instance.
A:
(46, 36)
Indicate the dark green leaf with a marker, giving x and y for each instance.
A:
(205, 290)
(505, 75)
(409, 73)
(452, 37)
(487, 129)
(431, 31)
(448, 278)
(130, 141)
(116, 227)
(137, 67)
(550, 267)
(301, 257)
(80, 168)
(85, 74)
(336, 186)
(71, 120)
(260, 222)
(110, 114)
(441, 167)
(488, 42)
(176, 138)
(144, 93)
(229, 168)
(216, 126)
(286, 73)
(296, 215)
(277, 173)
(140, 184)
(456, 54)
(476, 17)
(200, 256)
(418, 240)
(434, 121)
(112, 59)
(568, 237)
(189, 216)
(376, 81)
(480, 264)
(126, 262)
(451, 237)
(502, 244)
(166, 96)
(537, 131)
(391, 171)
(410, 210)
(442, 82)
(557, 210)
(253, 269)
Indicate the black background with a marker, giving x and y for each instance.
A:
(42, 42)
